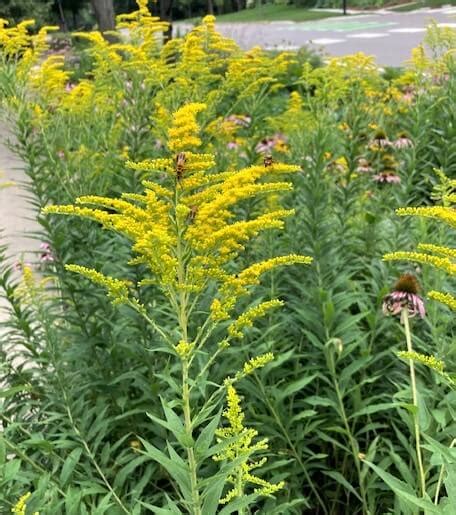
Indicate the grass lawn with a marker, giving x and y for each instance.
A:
(273, 13)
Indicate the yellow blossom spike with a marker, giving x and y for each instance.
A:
(240, 447)
(437, 262)
(446, 214)
(250, 275)
(256, 363)
(183, 134)
(117, 289)
(249, 316)
(437, 249)
(429, 361)
(445, 298)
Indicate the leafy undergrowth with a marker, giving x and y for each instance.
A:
(204, 330)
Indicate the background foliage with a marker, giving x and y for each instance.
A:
(79, 375)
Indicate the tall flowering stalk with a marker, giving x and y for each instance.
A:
(406, 302)
(409, 303)
(185, 231)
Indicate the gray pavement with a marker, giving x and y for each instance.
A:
(387, 35)
(17, 218)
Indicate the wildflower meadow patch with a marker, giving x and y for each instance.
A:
(226, 313)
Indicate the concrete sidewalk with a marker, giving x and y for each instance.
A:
(17, 218)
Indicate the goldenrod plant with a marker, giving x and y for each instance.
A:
(185, 234)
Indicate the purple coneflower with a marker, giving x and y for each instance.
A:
(232, 145)
(387, 177)
(46, 253)
(380, 140)
(404, 296)
(403, 142)
(277, 141)
(239, 119)
(265, 145)
(364, 166)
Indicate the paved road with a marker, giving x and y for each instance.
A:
(387, 35)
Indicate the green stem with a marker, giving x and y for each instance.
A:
(353, 444)
(35, 465)
(416, 421)
(196, 506)
(183, 324)
(440, 480)
(240, 489)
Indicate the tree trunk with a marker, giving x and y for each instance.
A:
(210, 7)
(62, 16)
(166, 15)
(104, 13)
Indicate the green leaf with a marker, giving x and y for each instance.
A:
(212, 494)
(375, 408)
(104, 505)
(340, 479)
(128, 469)
(72, 501)
(2, 450)
(13, 390)
(69, 465)
(237, 504)
(179, 473)
(450, 483)
(403, 491)
(206, 436)
(295, 386)
(174, 422)
(171, 508)
(447, 454)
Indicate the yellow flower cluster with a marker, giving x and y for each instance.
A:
(17, 42)
(50, 78)
(444, 298)
(184, 349)
(20, 507)
(437, 249)
(248, 317)
(117, 289)
(186, 229)
(445, 214)
(183, 134)
(429, 361)
(342, 76)
(143, 29)
(240, 448)
(256, 363)
(419, 257)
